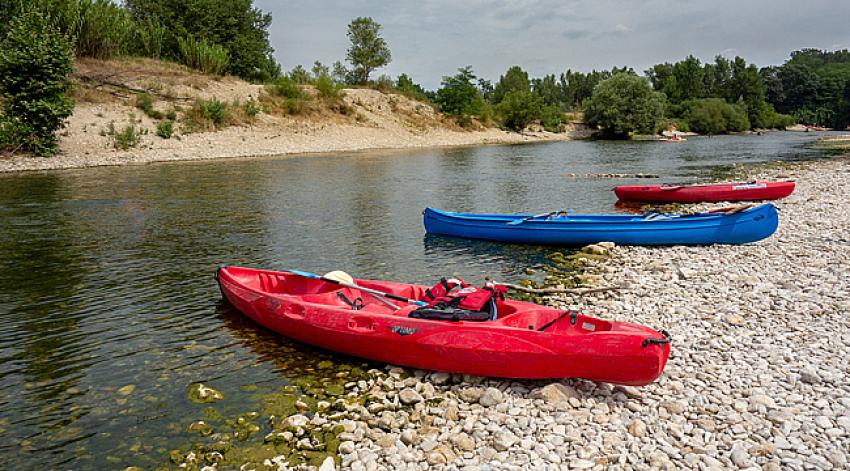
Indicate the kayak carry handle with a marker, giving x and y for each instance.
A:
(651, 341)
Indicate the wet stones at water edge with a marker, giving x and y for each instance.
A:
(200, 394)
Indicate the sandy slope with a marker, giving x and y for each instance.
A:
(377, 121)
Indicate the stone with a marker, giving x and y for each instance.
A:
(471, 395)
(504, 440)
(555, 393)
(295, 421)
(409, 437)
(127, 390)
(200, 394)
(346, 447)
(408, 396)
(328, 465)
(463, 442)
(440, 378)
(810, 376)
(637, 428)
(491, 397)
(428, 444)
(674, 407)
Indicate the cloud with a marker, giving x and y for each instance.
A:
(432, 38)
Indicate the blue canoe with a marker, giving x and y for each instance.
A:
(738, 227)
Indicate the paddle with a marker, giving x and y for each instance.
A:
(536, 216)
(353, 286)
(731, 210)
(670, 188)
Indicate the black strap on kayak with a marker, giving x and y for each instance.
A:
(661, 341)
(573, 318)
(356, 305)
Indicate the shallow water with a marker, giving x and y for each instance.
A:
(108, 308)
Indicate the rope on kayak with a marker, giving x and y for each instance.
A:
(661, 341)
(357, 304)
(573, 319)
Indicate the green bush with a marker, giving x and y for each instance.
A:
(250, 108)
(104, 29)
(715, 116)
(459, 96)
(126, 138)
(206, 115)
(165, 129)
(284, 87)
(36, 62)
(207, 57)
(151, 38)
(552, 119)
(383, 83)
(624, 104)
(519, 108)
(327, 88)
(144, 102)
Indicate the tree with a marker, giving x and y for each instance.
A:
(36, 62)
(234, 24)
(407, 86)
(624, 104)
(515, 79)
(368, 49)
(459, 96)
(519, 108)
(547, 89)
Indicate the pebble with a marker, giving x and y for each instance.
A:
(756, 378)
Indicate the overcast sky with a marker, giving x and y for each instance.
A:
(432, 38)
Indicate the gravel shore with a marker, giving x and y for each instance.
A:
(757, 378)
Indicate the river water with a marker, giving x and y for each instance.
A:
(108, 308)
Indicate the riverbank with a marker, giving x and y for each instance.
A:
(756, 377)
(108, 101)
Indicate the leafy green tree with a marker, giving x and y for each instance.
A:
(519, 108)
(624, 104)
(515, 79)
(299, 75)
(368, 50)
(459, 96)
(715, 116)
(36, 62)
(233, 24)
(547, 89)
(404, 84)
(320, 69)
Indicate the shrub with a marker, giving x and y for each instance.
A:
(165, 129)
(151, 38)
(126, 138)
(299, 75)
(250, 108)
(36, 62)
(144, 102)
(327, 88)
(285, 87)
(519, 108)
(552, 119)
(202, 55)
(715, 116)
(206, 115)
(383, 83)
(624, 104)
(102, 29)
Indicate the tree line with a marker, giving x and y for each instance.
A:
(39, 39)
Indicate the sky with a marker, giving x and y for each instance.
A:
(432, 38)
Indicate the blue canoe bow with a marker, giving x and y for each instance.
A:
(748, 225)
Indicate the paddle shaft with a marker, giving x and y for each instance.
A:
(353, 286)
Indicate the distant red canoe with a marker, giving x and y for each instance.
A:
(525, 341)
(752, 191)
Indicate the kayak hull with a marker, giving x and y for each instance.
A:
(511, 346)
(755, 191)
(746, 226)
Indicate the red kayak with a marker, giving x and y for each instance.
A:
(524, 341)
(752, 191)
